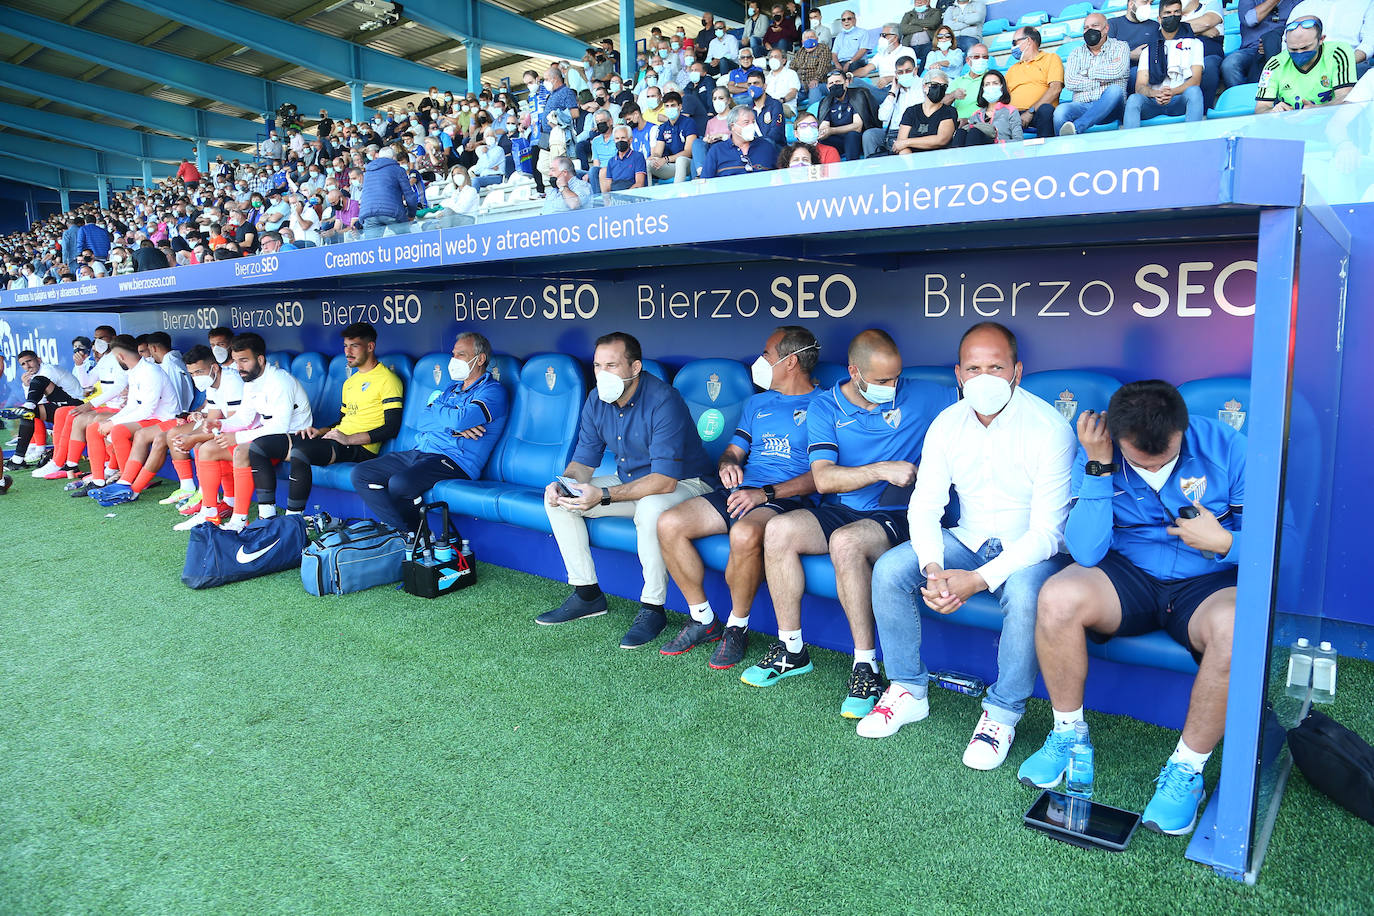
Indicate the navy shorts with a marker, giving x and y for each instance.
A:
(833, 516)
(718, 497)
(1148, 604)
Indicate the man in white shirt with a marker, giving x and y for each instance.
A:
(223, 389)
(1172, 86)
(722, 52)
(782, 82)
(106, 400)
(1008, 455)
(881, 68)
(150, 401)
(48, 386)
(905, 91)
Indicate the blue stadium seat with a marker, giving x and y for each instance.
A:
(1230, 23)
(429, 376)
(827, 374)
(1067, 48)
(328, 414)
(311, 370)
(281, 359)
(998, 43)
(506, 370)
(994, 27)
(715, 391)
(608, 461)
(1111, 7)
(940, 375)
(403, 366)
(1072, 391)
(1034, 18)
(1230, 42)
(1074, 11)
(1051, 32)
(1235, 101)
(1226, 399)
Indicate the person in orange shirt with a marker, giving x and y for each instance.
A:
(1035, 81)
(808, 130)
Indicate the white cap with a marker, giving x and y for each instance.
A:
(1326, 646)
(1303, 643)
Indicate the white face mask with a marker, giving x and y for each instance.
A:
(878, 394)
(459, 181)
(987, 394)
(719, 106)
(458, 369)
(100, 346)
(774, 64)
(762, 370)
(220, 353)
(609, 386)
(1156, 479)
(202, 382)
(149, 359)
(749, 132)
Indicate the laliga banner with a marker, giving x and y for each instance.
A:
(1176, 311)
(47, 334)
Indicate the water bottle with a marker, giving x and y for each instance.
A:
(443, 551)
(1299, 668)
(1079, 779)
(1324, 674)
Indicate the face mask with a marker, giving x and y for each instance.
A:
(809, 134)
(774, 64)
(671, 112)
(755, 92)
(651, 81)
(693, 76)
(1016, 53)
(676, 46)
(762, 369)
(459, 181)
(878, 394)
(149, 359)
(220, 353)
(609, 386)
(1144, 13)
(809, 43)
(749, 132)
(100, 346)
(836, 90)
(987, 394)
(202, 382)
(1171, 23)
(847, 29)
(663, 52)
(720, 33)
(602, 127)
(936, 91)
(719, 105)
(992, 95)
(944, 44)
(1302, 58)
(615, 87)
(548, 86)
(1156, 479)
(458, 369)
(622, 146)
(906, 80)
(921, 8)
(1091, 37)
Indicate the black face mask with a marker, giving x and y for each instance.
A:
(837, 90)
(602, 127)
(1091, 37)
(622, 146)
(936, 91)
(1170, 23)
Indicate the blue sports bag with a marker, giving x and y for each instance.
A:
(217, 557)
(360, 554)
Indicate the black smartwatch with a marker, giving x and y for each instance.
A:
(605, 496)
(769, 493)
(1098, 469)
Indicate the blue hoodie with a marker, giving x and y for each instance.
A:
(387, 191)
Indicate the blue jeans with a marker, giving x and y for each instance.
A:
(1085, 115)
(1241, 66)
(897, 607)
(1139, 108)
(393, 486)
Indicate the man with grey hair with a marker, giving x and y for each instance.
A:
(566, 191)
(1096, 75)
(746, 151)
(626, 168)
(881, 68)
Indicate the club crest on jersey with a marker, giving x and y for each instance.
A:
(1067, 405)
(364, 385)
(1193, 488)
(893, 417)
(551, 377)
(713, 386)
(309, 370)
(1232, 415)
(799, 416)
(438, 374)
(496, 372)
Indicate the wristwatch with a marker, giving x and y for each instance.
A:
(769, 493)
(1098, 469)
(605, 496)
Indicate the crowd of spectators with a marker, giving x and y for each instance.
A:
(791, 91)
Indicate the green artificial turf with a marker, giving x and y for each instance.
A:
(251, 749)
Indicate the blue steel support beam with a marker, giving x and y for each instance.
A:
(147, 173)
(75, 158)
(100, 136)
(334, 57)
(355, 94)
(474, 52)
(228, 86)
(64, 197)
(102, 189)
(627, 39)
(148, 112)
(489, 24)
(44, 176)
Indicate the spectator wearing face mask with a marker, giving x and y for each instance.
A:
(696, 94)
(744, 152)
(600, 148)
(1138, 28)
(755, 28)
(1096, 75)
(996, 120)
(651, 104)
(966, 18)
(722, 52)
(928, 124)
(850, 48)
(626, 168)
(768, 113)
(1035, 80)
(782, 32)
(782, 82)
(1313, 72)
(1169, 76)
(945, 55)
(904, 92)
(672, 142)
(807, 129)
(844, 117)
(812, 63)
(456, 199)
(918, 25)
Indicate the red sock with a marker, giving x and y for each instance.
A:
(131, 471)
(142, 478)
(243, 490)
(40, 433)
(183, 467)
(96, 443)
(209, 472)
(123, 441)
(61, 434)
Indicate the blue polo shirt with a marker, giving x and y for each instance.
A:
(850, 436)
(455, 409)
(603, 149)
(1124, 513)
(840, 112)
(724, 158)
(772, 433)
(622, 172)
(771, 123)
(652, 434)
(674, 134)
(641, 139)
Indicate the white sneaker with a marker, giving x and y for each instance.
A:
(50, 468)
(34, 454)
(988, 747)
(234, 524)
(895, 708)
(188, 523)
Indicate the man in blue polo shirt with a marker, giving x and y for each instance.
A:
(1140, 566)
(660, 462)
(865, 438)
(672, 142)
(746, 152)
(626, 169)
(763, 472)
(456, 432)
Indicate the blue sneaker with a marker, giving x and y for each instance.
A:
(648, 623)
(865, 686)
(573, 609)
(1044, 768)
(95, 492)
(776, 664)
(116, 494)
(1178, 796)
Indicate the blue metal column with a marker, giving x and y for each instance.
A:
(102, 185)
(474, 75)
(627, 38)
(65, 197)
(202, 156)
(355, 92)
(147, 173)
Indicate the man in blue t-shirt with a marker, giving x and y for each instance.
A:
(660, 462)
(672, 142)
(864, 444)
(456, 432)
(1142, 565)
(763, 472)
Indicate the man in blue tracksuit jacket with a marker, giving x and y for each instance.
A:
(1141, 566)
(388, 196)
(456, 432)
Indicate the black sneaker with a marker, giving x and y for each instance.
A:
(648, 624)
(730, 652)
(82, 488)
(693, 634)
(865, 686)
(776, 664)
(573, 609)
(15, 463)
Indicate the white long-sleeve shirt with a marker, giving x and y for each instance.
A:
(61, 378)
(182, 386)
(150, 395)
(227, 396)
(274, 403)
(86, 373)
(114, 382)
(1011, 477)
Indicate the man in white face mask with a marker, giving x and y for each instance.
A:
(763, 472)
(1007, 454)
(864, 438)
(219, 344)
(660, 462)
(223, 390)
(454, 437)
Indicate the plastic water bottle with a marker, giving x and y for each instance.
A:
(1299, 668)
(1079, 779)
(443, 551)
(1324, 674)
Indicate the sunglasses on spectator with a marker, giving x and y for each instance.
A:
(846, 18)
(1308, 23)
(744, 160)
(887, 34)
